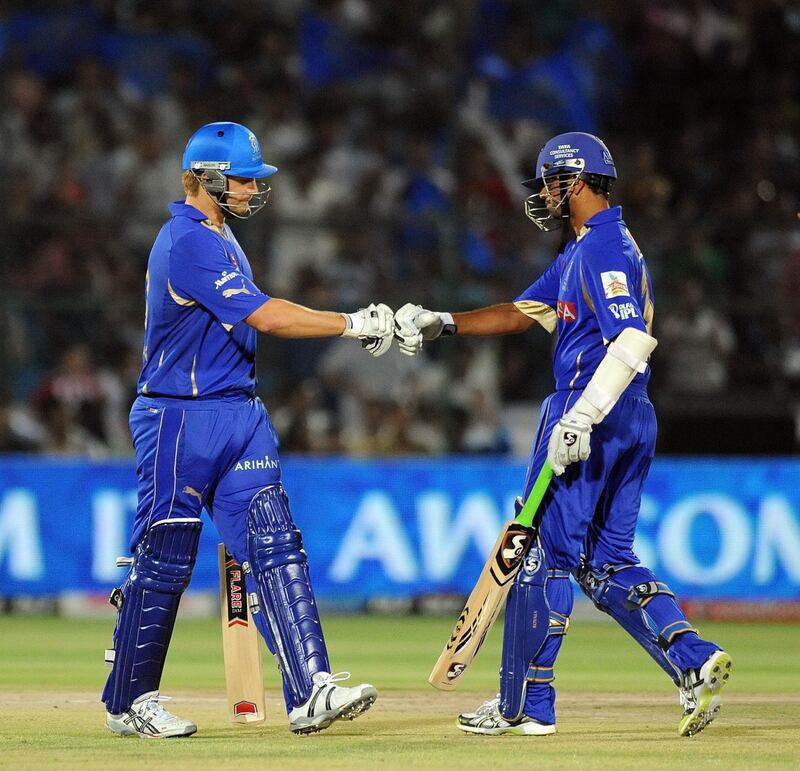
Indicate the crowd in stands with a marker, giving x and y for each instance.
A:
(402, 131)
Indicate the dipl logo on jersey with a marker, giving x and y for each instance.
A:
(623, 311)
(566, 311)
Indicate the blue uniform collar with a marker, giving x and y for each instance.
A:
(614, 214)
(181, 209)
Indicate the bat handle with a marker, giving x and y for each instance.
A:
(540, 486)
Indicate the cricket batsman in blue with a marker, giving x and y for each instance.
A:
(598, 433)
(203, 439)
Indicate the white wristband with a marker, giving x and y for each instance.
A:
(353, 324)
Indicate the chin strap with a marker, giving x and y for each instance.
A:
(566, 227)
(566, 232)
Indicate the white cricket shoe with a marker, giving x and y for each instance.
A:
(329, 702)
(148, 719)
(700, 693)
(487, 720)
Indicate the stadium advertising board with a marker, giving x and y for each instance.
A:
(711, 528)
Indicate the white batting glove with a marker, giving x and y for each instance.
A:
(413, 324)
(434, 324)
(569, 441)
(373, 325)
(406, 332)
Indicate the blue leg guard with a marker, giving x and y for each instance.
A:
(540, 699)
(646, 608)
(280, 569)
(529, 624)
(147, 604)
(260, 620)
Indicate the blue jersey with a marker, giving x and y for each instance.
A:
(199, 286)
(595, 288)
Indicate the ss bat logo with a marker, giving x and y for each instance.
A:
(510, 552)
(455, 670)
(515, 549)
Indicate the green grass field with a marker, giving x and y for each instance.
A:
(616, 709)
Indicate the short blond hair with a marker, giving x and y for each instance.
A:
(191, 185)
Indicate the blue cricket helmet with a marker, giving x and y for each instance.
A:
(573, 152)
(571, 156)
(226, 147)
(220, 150)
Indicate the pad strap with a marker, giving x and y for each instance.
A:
(559, 624)
(598, 398)
(540, 674)
(668, 634)
(640, 594)
(627, 357)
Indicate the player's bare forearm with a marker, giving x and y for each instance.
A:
(504, 319)
(283, 318)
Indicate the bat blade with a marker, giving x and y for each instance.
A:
(244, 678)
(482, 606)
(491, 589)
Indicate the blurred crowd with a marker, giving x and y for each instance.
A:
(402, 131)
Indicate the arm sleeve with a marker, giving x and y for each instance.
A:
(200, 271)
(540, 299)
(610, 281)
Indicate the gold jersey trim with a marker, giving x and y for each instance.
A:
(216, 228)
(587, 298)
(649, 309)
(194, 379)
(184, 301)
(542, 314)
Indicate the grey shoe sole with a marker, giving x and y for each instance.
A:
(349, 711)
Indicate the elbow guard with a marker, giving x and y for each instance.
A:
(625, 358)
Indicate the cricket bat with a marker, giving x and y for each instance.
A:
(490, 591)
(241, 646)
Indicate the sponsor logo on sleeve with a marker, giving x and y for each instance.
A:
(257, 464)
(615, 284)
(623, 311)
(566, 311)
(225, 278)
(234, 290)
